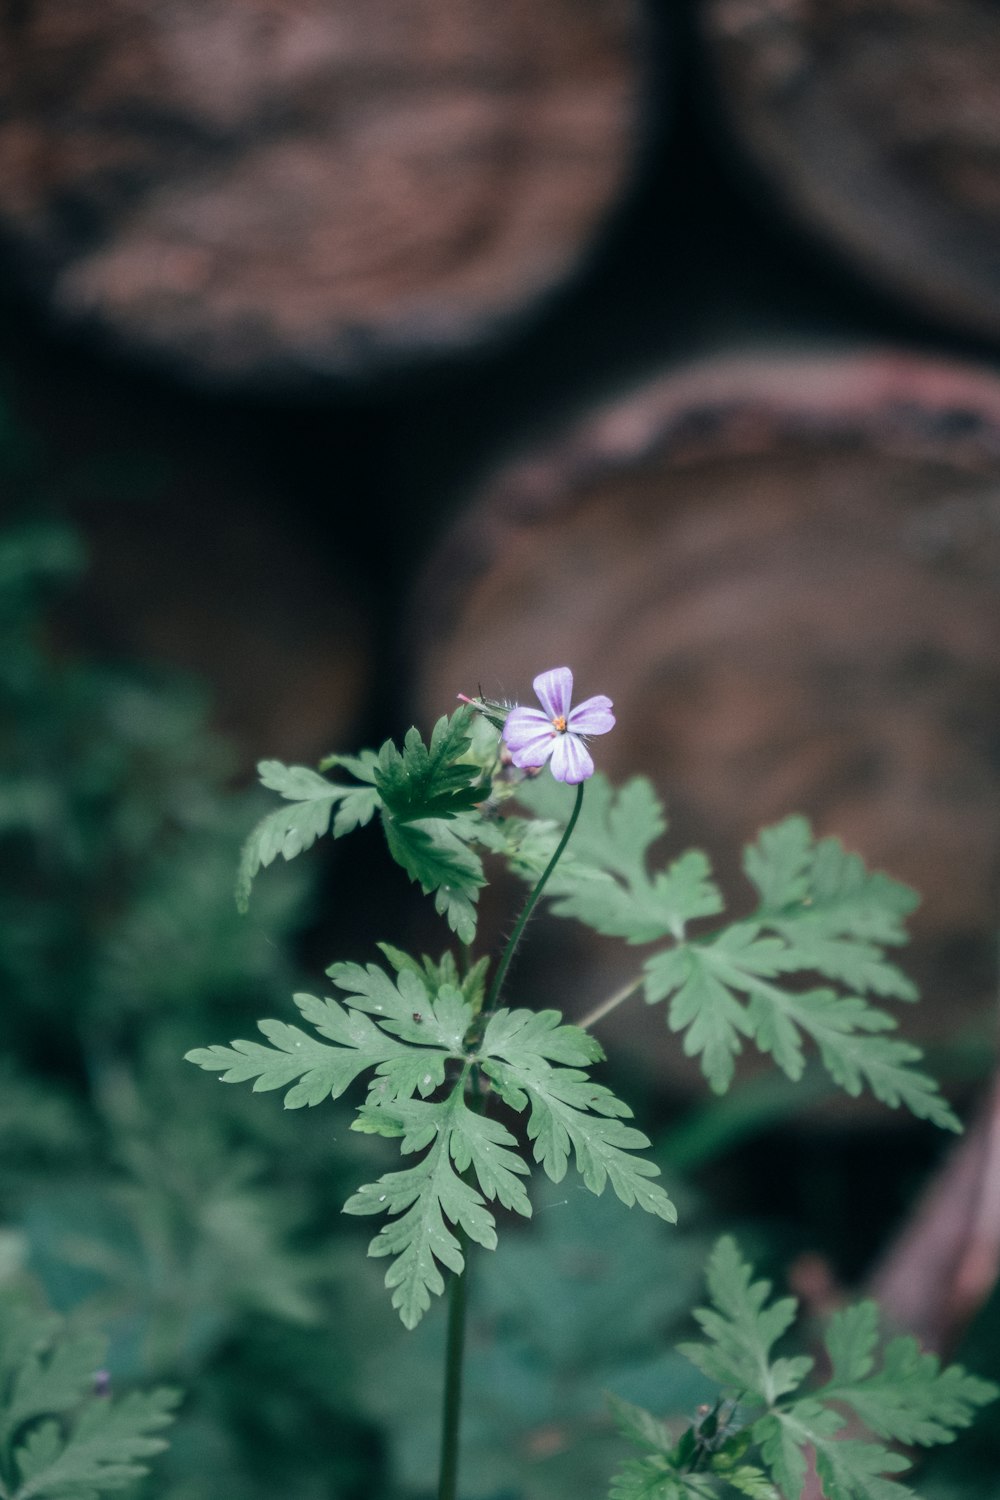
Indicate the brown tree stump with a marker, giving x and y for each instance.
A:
(267, 190)
(878, 121)
(786, 574)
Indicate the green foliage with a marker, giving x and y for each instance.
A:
(59, 1436)
(194, 1230)
(413, 1031)
(819, 913)
(421, 794)
(567, 1308)
(758, 1436)
(290, 830)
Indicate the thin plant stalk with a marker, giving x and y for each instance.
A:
(458, 1287)
(529, 906)
(453, 1369)
(611, 1003)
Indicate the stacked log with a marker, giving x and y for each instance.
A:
(786, 573)
(266, 191)
(878, 124)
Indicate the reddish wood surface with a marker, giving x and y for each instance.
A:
(271, 189)
(786, 573)
(878, 122)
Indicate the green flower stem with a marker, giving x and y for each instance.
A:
(529, 906)
(454, 1361)
(458, 1286)
(611, 1003)
(458, 1296)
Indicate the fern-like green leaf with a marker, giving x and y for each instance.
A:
(440, 862)
(605, 882)
(104, 1449)
(907, 1398)
(742, 1329)
(568, 1111)
(408, 1047)
(727, 988)
(432, 1197)
(835, 916)
(432, 781)
(52, 1377)
(289, 830)
(910, 1399)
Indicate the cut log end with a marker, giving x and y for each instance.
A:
(879, 124)
(294, 187)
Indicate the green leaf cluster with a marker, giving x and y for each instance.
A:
(59, 1436)
(421, 794)
(758, 1438)
(420, 1034)
(803, 966)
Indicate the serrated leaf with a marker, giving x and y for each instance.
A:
(604, 882)
(568, 1111)
(432, 1196)
(753, 1483)
(784, 1451)
(910, 1399)
(724, 989)
(835, 916)
(105, 1449)
(290, 830)
(742, 1329)
(430, 781)
(51, 1380)
(408, 1051)
(640, 1426)
(850, 1469)
(438, 861)
(653, 1479)
(703, 1007)
(361, 766)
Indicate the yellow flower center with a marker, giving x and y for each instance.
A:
(559, 724)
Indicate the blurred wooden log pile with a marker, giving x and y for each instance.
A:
(877, 122)
(787, 573)
(262, 191)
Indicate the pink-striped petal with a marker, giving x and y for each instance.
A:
(593, 716)
(537, 753)
(571, 760)
(555, 691)
(524, 724)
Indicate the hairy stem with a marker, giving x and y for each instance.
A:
(611, 1003)
(529, 906)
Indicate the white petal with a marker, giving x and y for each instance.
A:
(523, 725)
(534, 749)
(571, 760)
(555, 691)
(593, 716)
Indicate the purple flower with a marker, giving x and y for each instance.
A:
(556, 732)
